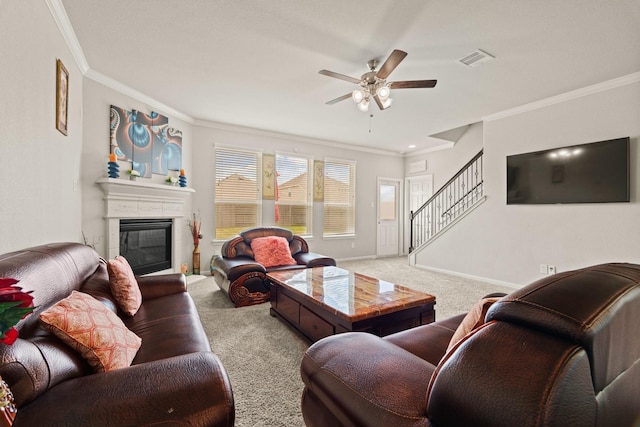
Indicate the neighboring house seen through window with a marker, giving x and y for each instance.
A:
(339, 198)
(238, 199)
(294, 204)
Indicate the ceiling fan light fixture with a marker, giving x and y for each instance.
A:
(357, 95)
(383, 92)
(364, 105)
(386, 103)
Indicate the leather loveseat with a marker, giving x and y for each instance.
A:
(174, 378)
(244, 279)
(563, 351)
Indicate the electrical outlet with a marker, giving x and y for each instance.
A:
(544, 269)
(353, 245)
(551, 269)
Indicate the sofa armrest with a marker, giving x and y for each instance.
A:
(234, 268)
(191, 389)
(311, 259)
(364, 379)
(161, 284)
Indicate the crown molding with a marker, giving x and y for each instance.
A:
(567, 96)
(152, 103)
(291, 137)
(64, 25)
(66, 29)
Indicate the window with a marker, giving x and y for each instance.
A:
(339, 198)
(238, 202)
(294, 205)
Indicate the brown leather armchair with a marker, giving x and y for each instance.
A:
(563, 351)
(238, 274)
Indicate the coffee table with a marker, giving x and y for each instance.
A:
(324, 301)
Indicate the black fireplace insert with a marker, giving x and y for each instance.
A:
(146, 244)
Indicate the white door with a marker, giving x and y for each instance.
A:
(420, 190)
(388, 221)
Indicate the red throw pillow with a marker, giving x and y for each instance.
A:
(271, 251)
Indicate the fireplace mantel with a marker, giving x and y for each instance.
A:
(136, 199)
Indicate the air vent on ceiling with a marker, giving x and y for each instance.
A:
(476, 58)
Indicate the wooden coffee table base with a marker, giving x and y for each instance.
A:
(316, 320)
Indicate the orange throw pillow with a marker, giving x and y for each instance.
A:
(271, 251)
(473, 320)
(124, 285)
(94, 331)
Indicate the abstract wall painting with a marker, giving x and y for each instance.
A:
(145, 140)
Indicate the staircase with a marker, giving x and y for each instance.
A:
(459, 196)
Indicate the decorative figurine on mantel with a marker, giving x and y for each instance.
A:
(195, 225)
(182, 179)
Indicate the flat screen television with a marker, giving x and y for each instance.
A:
(597, 172)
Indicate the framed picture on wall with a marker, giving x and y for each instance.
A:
(268, 177)
(62, 96)
(318, 181)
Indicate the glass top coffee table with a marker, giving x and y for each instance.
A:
(324, 301)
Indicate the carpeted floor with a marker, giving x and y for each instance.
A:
(262, 355)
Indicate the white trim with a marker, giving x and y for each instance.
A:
(567, 96)
(290, 137)
(64, 25)
(431, 149)
(469, 276)
(66, 29)
(154, 104)
(358, 258)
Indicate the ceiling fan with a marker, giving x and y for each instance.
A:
(373, 84)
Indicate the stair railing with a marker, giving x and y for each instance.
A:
(448, 204)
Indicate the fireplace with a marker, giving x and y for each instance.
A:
(146, 204)
(146, 244)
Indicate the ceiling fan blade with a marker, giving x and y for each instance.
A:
(339, 76)
(341, 98)
(412, 84)
(379, 102)
(391, 63)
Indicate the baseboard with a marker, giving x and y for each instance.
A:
(469, 276)
(360, 258)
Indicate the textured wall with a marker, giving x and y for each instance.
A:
(40, 199)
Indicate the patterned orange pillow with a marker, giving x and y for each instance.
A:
(473, 320)
(94, 331)
(124, 285)
(271, 251)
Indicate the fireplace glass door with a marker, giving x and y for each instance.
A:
(146, 244)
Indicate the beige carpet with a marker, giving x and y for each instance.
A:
(262, 355)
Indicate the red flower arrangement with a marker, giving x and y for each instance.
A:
(15, 305)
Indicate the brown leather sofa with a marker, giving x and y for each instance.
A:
(174, 379)
(238, 274)
(563, 351)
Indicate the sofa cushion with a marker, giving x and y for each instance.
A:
(271, 251)
(474, 319)
(124, 285)
(94, 331)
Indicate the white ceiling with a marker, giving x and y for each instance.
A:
(256, 63)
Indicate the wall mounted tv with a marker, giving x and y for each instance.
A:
(597, 172)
